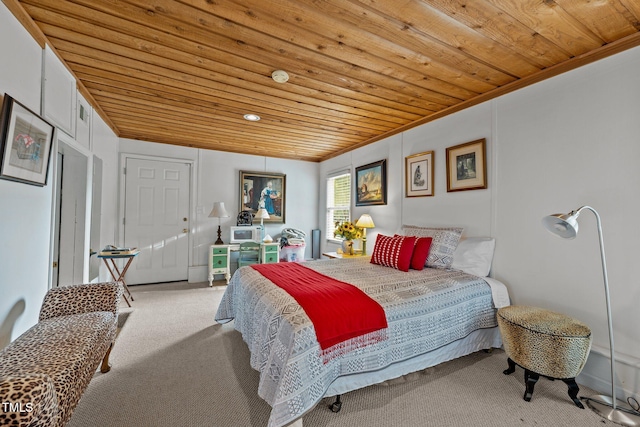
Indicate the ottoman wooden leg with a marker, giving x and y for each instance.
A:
(512, 367)
(573, 391)
(105, 367)
(530, 378)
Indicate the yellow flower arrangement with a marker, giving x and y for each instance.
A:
(347, 230)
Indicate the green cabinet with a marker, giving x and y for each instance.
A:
(270, 253)
(219, 256)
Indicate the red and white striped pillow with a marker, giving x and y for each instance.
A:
(394, 252)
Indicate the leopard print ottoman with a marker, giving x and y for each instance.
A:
(44, 372)
(544, 343)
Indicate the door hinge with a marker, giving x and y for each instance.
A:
(123, 221)
(55, 264)
(124, 171)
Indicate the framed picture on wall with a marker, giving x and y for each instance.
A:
(419, 174)
(25, 144)
(467, 166)
(371, 184)
(264, 190)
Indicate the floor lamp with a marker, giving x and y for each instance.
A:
(566, 226)
(219, 211)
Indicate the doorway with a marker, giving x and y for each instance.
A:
(70, 217)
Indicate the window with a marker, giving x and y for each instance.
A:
(338, 201)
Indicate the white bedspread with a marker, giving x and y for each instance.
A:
(425, 311)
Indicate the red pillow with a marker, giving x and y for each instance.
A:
(394, 252)
(420, 252)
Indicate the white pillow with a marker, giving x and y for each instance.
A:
(474, 255)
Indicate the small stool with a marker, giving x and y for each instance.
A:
(545, 343)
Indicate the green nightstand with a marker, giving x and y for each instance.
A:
(269, 253)
(219, 257)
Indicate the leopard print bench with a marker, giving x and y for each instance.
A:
(544, 343)
(44, 372)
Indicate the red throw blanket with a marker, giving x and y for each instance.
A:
(343, 316)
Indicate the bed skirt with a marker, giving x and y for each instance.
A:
(481, 339)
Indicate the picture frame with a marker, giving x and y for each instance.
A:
(419, 174)
(264, 189)
(25, 144)
(467, 166)
(371, 184)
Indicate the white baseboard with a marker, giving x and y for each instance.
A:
(199, 273)
(597, 373)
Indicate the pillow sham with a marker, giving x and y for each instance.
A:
(394, 252)
(420, 252)
(474, 255)
(444, 243)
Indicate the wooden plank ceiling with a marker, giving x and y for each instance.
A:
(185, 72)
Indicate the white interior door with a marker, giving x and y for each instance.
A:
(156, 220)
(72, 203)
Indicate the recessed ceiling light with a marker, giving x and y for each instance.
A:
(252, 117)
(280, 76)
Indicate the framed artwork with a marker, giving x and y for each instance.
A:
(419, 174)
(25, 144)
(467, 166)
(264, 190)
(371, 184)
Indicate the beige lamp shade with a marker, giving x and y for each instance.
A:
(365, 221)
(262, 214)
(218, 211)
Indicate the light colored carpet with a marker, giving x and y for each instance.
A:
(172, 365)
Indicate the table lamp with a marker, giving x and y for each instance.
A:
(262, 214)
(566, 226)
(365, 222)
(219, 211)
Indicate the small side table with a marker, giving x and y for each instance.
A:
(220, 261)
(118, 275)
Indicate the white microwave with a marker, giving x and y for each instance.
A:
(245, 233)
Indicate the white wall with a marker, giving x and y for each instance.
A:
(551, 147)
(25, 210)
(443, 209)
(104, 144)
(217, 179)
(564, 143)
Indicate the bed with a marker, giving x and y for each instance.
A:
(433, 315)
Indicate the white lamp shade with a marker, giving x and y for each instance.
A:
(218, 211)
(262, 214)
(365, 221)
(563, 225)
